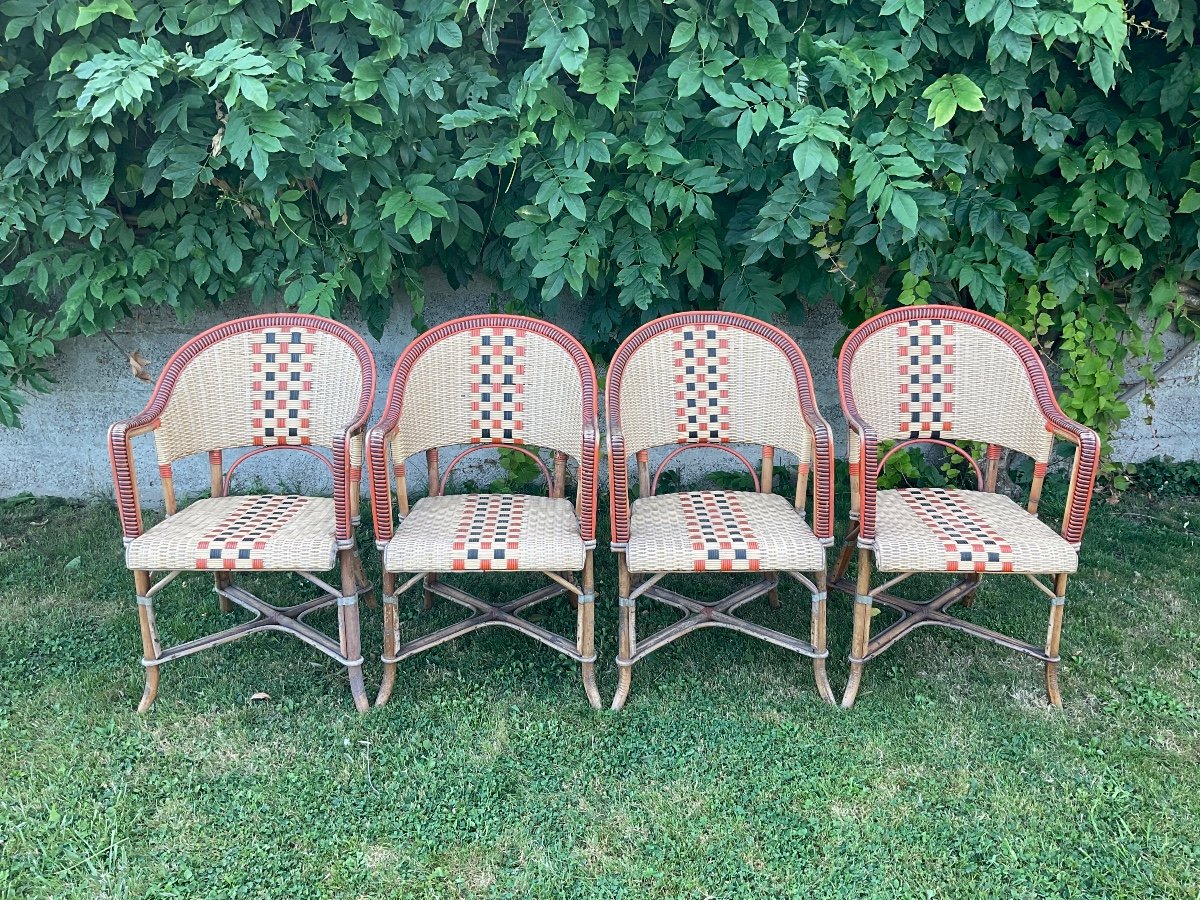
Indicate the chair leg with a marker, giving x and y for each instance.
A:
(586, 630)
(773, 594)
(1053, 634)
(627, 634)
(427, 593)
(150, 645)
(348, 629)
(862, 627)
(969, 600)
(223, 580)
(817, 638)
(366, 590)
(391, 637)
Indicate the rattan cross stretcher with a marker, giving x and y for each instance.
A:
(936, 375)
(266, 383)
(486, 382)
(716, 380)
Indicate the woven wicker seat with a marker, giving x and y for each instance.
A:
(934, 530)
(488, 382)
(937, 375)
(273, 533)
(259, 384)
(720, 531)
(487, 532)
(713, 380)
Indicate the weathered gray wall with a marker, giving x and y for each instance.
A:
(61, 451)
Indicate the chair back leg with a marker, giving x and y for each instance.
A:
(627, 633)
(862, 627)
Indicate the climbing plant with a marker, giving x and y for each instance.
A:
(1032, 158)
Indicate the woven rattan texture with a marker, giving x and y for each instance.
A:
(951, 380)
(711, 383)
(936, 530)
(492, 385)
(720, 531)
(270, 533)
(289, 386)
(487, 532)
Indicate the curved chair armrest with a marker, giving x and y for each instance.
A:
(618, 489)
(380, 480)
(1083, 472)
(345, 474)
(120, 455)
(864, 470)
(589, 483)
(823, 478)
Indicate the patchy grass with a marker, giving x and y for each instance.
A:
(488, 775)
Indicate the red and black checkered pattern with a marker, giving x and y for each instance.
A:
(720, 533)
(488, 535)
(702, 384)
(970, 543)
(239, 540)
(281, 394)
(926, 349)
(497, 385)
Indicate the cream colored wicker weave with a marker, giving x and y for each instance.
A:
(486, 382)
(935, 375)
(269, 383)
(714, 380)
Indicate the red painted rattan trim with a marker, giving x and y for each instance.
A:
(618, 463)
(1056, 422)
(119, 435)
(379, 435)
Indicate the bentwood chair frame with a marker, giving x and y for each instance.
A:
(934, 375)
(222, 391)
(487, 382)
(754, 388)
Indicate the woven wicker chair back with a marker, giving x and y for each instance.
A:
(711, 383)
(264, 381)
(931, 377)
(487, 384)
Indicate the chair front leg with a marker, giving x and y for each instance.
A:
(586, 630)
(862, 627)
(1053, 634)
(150, 644)
(817, 637)
(391, 637)
(349, 629)
(627, 633)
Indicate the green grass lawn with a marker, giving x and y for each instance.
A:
(489, 776)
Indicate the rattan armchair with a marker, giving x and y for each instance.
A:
(935, 375)
(269, 382)
(486, 382)
(715, 380)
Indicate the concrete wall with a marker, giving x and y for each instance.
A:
(61, 449)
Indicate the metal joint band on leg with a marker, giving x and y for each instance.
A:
(488, 614)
